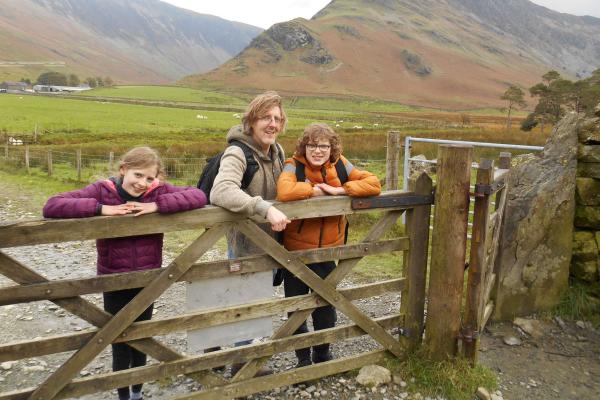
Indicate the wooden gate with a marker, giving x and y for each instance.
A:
(86, 345)
(491, 185)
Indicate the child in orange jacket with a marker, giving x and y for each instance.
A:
(319, 169)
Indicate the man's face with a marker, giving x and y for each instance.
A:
(266, 128)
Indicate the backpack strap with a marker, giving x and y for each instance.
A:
(342, 173)
(251, 163)
(300, 174)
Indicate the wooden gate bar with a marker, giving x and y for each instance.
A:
(200, 319)
(87, 311)
(415, 263)
(477, 265)
(56, 381)
(238, 389)
(194, 364)
(343, 268)
(214, 269)
(320, 286)
(448, 250)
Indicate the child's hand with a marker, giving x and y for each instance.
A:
(142, 208)
(317, 191)
(121, 209)
(334, 191)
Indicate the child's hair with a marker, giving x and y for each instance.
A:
(142, 157)
(316, 131)
(259, 107)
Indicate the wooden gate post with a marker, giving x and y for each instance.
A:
(49, 162)
(415, 262)
(6, 150)
(449, 240)
(391, 165)
(78, 156)
(27, 157)
(476, 280)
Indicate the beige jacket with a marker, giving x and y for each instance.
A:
(227, 193)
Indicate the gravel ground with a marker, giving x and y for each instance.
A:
(562, 363)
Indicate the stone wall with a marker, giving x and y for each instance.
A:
(585, 263)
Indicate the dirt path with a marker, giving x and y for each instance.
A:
(562, 363)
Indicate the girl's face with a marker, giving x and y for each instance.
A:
(136, 181)
(318, 152)
(267, 127)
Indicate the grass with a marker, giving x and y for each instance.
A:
(454, 379)
(580, 302)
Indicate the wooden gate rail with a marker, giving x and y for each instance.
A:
(484, 245)
(216, 222)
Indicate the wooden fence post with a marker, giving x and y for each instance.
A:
(448, 250)
(27, 157)
(504, 160)
(78, 156)
(476, 279)
(49, 162)
(6, 150)
(415, 262)
(391, 165)
(111, 160)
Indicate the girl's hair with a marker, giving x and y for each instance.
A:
(142, 157)
(316, 131)
(259, 107)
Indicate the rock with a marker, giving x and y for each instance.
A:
(531, 327)
(590, 131)
(587, 217)
(580, 324)
(7, 365)
(588, 170)
(512, 340)
(414, 63)
(588, 191)
(560, 322)
(536, 239)
(597, 110)
(373, 376)
(482, 394)
(588, 153)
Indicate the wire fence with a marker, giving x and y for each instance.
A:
(88, 167)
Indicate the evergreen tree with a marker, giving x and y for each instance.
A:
(514, 96)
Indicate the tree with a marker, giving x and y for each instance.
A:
(108, 81)
(529, 123)
(74, 80)
(52, 78)
(91, 81)
(26, 80)
(99, 81)
(514, 96)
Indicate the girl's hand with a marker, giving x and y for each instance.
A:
(334, 191)
(121, 209)
(142, 208)
(317, 191)
(277, 219)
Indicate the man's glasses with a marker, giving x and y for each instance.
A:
(313, 147)
(267, 119)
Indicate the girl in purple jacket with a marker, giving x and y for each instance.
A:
(137, 191)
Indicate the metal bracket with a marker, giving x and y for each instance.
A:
(468, 335)
(399, 201)
(482, 190)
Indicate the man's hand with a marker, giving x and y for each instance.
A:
(277, 219)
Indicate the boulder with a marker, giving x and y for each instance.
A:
(531, 327)
(373, 376)
(536, 239)
(588, 191)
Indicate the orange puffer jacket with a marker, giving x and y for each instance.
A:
(325, 231)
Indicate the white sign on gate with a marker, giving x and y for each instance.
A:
(229, 291)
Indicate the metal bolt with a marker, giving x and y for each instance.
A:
(100, 340)
(48, 291)
(170, 276)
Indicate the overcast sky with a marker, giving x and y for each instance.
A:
(264, 13)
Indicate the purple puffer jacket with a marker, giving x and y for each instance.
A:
(131, 253)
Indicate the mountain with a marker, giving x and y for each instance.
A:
(145, 41)
(441, 53)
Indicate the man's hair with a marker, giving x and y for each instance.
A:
(316, 131)
(142, 157)
(259, 107)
